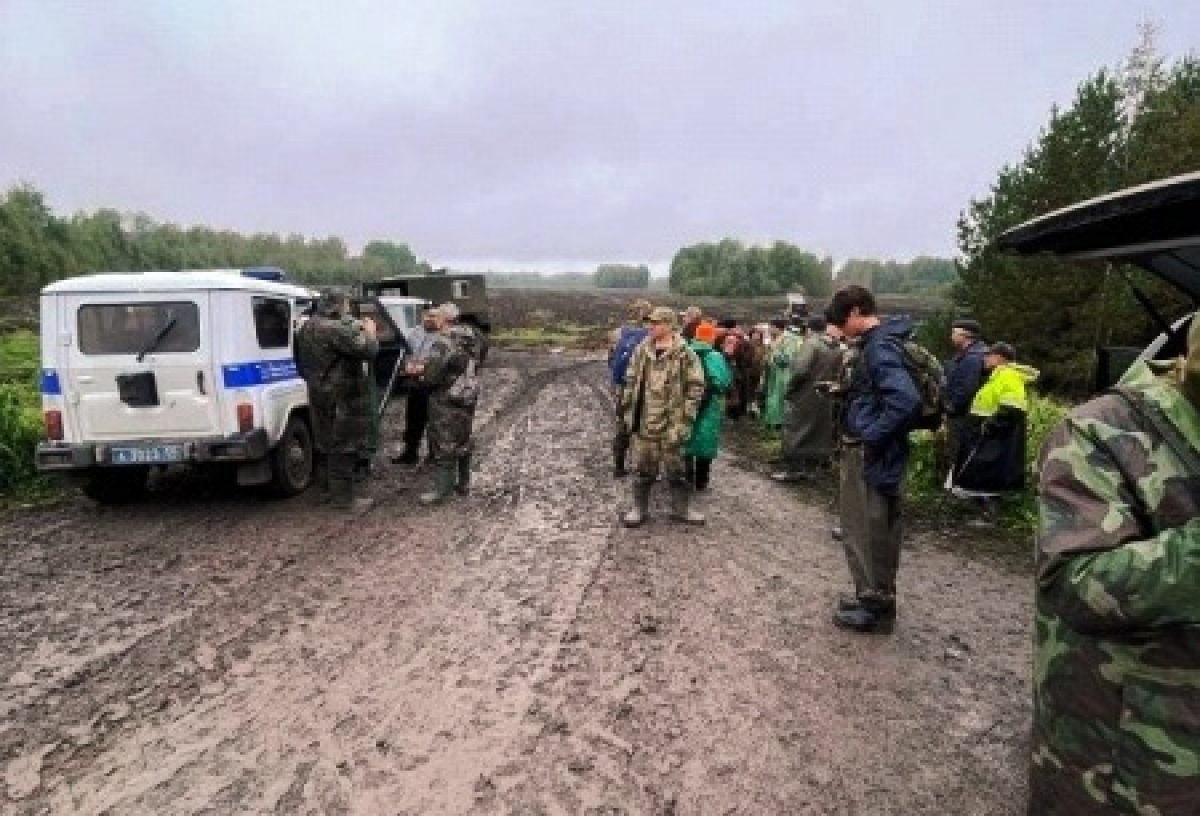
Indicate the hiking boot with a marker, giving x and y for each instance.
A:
(680, 497)
(791, 476)
(860, 615)
(463, 484)
(620, 472)
(637, 516)
(444, 477)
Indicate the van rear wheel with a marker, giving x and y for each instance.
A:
(119, 485)
(292, 460)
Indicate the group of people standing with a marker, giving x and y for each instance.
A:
(333, 349)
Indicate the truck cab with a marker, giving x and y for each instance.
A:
(467, 292)
(162, 368)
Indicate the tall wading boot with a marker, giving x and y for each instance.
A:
(445, 474)
(463, 484)
(641, 501)
(320, 477)
(342, 483)
(681, 494)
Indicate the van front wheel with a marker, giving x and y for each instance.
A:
(118, 485)
(292, 460)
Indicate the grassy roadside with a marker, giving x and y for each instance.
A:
(927, 504)
(564, 336)
(21, 426)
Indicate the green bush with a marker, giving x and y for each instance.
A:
(928, 468)
(21, 425)
(20, 431)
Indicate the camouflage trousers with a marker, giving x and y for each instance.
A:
(449, 429)
(622, 438)
(652, 454)
(339, 424)
(871, 531)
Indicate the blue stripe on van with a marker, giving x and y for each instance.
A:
(50, 385)
(262, 372)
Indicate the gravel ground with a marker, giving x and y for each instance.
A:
(517, 652)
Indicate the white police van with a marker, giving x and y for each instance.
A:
(160, 368)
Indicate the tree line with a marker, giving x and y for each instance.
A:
(38, 247)
(729, 268)
(1135, 123)
(622, 276)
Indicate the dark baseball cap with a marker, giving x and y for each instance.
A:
(1005, 350)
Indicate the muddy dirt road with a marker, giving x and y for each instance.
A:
(517, 652)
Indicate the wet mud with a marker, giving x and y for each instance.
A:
(209, 651)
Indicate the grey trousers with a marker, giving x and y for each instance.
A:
(871, 531)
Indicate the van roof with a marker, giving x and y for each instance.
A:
(183, 281)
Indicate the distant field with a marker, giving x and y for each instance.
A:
(591, 308)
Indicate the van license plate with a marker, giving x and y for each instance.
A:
(146, 455)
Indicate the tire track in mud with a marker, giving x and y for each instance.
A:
(514, 652)
(518, 590)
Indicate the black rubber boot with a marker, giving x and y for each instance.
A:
(342, 484)
(869, 616)
(463, 484)
(637, 516)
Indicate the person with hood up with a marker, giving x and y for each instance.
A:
(991, 458)
(705, 441)
(784, 344)
(664, 386)
(808, 415)
(881, 406)
(1116, 711)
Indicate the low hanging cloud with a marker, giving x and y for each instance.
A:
(536, 132)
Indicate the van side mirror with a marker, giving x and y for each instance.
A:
(1111, 364)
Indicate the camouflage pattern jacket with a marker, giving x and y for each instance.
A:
(450, 422)
(1117, 641)
(331, 353)
(663, 392)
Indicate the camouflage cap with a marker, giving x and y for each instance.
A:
(330, 302)
(663, 314)
(640, 309)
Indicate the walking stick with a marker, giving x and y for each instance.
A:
(387, 393)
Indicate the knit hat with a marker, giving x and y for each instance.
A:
(971, 327)
(706, 332)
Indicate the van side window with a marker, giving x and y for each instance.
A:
(272, 322)
(458, 289)
(129, 328)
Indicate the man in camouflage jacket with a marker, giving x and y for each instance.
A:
(664, 386)
(1117, 642)
(454, 349)
(332, 349)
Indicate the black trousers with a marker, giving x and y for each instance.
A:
(416, 418)
(698, 470)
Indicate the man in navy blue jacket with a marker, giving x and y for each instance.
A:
(964, 375)
(881, 405)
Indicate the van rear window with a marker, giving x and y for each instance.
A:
(130, 328)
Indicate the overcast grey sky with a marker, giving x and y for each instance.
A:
(549, 133)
